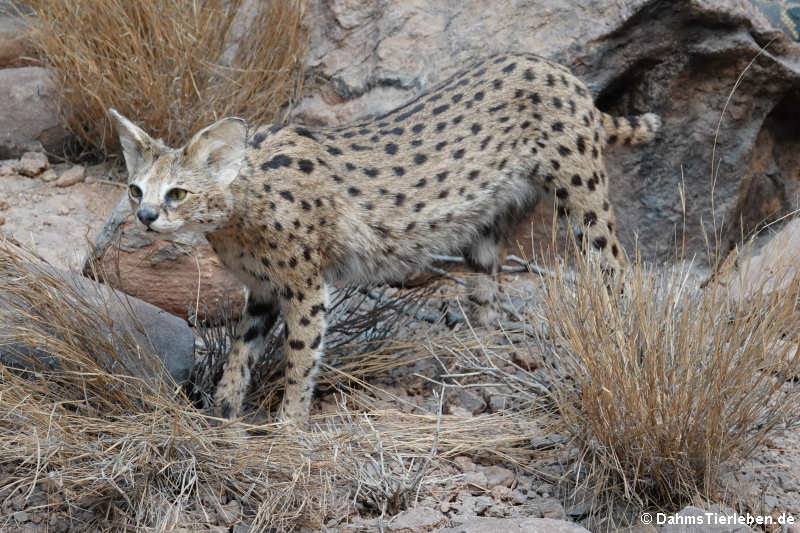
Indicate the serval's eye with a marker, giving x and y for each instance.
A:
(135, 192)
(176, 195)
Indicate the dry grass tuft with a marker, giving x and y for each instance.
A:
(171, 65)
(109, 451)
(665, 385)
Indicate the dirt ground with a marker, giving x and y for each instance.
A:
(57, 222)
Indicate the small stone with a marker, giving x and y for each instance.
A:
(48, 175)
(499, 492)
(457, 410)
(464, 463)
(72, 176)
(416, 519)
(497, 475)
(32, 164)
(476, 482)
(21, 516)
(7, 170)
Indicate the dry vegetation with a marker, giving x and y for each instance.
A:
(171, 65)
(660, 386)
(113, 451)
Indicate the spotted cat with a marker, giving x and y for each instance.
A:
(292, 210)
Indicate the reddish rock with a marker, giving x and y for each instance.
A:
(162, 273)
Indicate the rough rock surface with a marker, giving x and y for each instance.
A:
(155, 330)
(680, 60)
(29, 117)
(164, 273)
(514, 525)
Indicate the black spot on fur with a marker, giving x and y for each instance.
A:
(333, 150)
(557, 126)
(306, 166)
(316, 342)
(590, 217)
(475, 128)
(458, 154)
(353, 191)
(399, 171)
(441, 176)
(303, 132)
(509, 68)
(295, 344)
(562, 193)
(399, 199)
(371, 172)
(420, 158)
(599, 243)
(418, 128)
(280, 160)
(577, 181)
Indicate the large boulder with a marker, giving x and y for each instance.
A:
(679, 59)
(89, 310)
(29, 114)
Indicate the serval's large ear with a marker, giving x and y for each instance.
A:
(218, 149)
(136, 144)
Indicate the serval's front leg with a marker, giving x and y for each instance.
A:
(258, 317)
(304, 310)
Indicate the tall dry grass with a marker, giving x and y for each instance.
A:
(170, 65)
(666, 386)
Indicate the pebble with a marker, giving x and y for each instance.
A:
(32, 164)
(72, 176)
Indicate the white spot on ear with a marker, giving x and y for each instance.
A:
(219, 149)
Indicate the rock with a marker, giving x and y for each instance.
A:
(416, 519)
(464, 463)
(695, 520)
(72, 176)
(466, 399)
(29, 117)
(21, 516)
(678, 60)
(162, 273)
(165, 335)
(15, 49)
(768, 264)
(497, 475)
(514, 525)
(32, 164)
(476, 482)
(48, 175)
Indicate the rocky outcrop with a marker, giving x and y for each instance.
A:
(679, 59)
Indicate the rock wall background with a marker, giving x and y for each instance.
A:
(680, 59)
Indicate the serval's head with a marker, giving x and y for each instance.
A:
(185, 189)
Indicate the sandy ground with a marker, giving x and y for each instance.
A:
(57, 222)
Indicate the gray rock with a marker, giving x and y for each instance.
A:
(515, 525)
(416, 519)
(695, 520)
(152, 329)
(29, 117)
